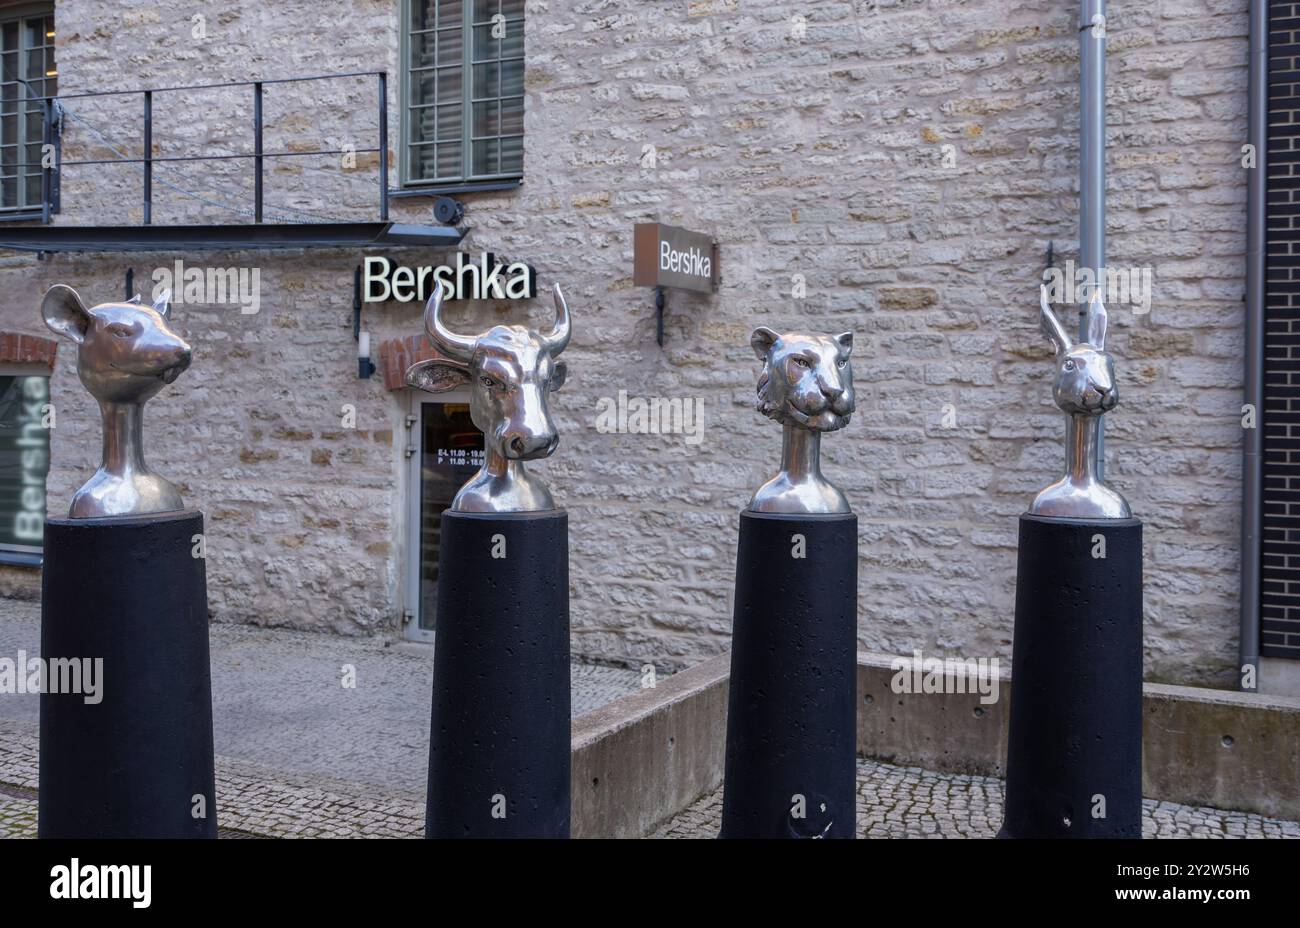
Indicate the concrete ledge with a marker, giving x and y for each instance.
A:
(1222, 748)
(1199, 747)
(948, 732)
(641, 759)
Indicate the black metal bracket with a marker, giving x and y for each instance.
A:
(660, 300)
(356, 303)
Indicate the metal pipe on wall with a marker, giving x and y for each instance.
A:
(1252, 463)
(1092, 162)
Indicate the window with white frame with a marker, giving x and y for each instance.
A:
(462, 91)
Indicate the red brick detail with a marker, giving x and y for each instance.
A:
(397, 354)
(16, 348)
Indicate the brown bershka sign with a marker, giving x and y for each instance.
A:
(666, 256)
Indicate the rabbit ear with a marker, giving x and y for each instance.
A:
(1052, 328)
(1097, 322)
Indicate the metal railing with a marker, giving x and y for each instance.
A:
(259, 155)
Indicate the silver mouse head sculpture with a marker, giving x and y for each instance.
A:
(126, 353)
(510, 371)
(807, 386)
(1085, 390)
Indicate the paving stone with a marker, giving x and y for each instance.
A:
(907, 802)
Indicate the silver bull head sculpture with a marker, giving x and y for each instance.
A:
(1085, 390)
(807, 386)
(126, 353)
(510, 371)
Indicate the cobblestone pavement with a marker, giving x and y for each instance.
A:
(908, 802)
(278, 699)
(893, 802)
(299, 755)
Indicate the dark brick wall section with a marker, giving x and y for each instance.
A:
(1280, 632)
(16, 348)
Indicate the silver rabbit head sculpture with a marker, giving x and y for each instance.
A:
(510, 371)
(1085, 390)
(126, 353)
(807, 386)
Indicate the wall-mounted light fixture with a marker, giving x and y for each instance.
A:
(365, 367)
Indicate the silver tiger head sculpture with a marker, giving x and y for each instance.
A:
(126, 353)
(510, 371)
(1085, 389)
(807, 386)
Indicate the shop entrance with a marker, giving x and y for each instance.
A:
(448, 449)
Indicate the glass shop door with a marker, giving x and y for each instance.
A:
(448, 451)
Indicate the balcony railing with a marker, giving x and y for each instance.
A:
(258, 155)
(257, 235)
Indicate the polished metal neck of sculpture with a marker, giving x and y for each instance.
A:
(807, 386)
(510, 372)
(126, 353)
(1085, 390)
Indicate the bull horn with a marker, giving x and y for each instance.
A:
(456, 347)
(558, 339)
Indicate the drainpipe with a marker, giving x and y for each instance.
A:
(1092, 163)
(1252, 478)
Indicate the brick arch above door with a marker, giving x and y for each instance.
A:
(17, 348)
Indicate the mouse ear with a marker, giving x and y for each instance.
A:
(1052, 327)
(64, 313)
(1097, 319)
(163, 305)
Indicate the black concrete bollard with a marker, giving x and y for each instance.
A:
(139, 763)
(791, 762)
(499, 742)
(1074, 756)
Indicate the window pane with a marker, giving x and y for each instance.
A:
(451, 13)
(512, 155)
(423, 87)
(485, 10)
(419, 161)
(487, 81)
(512, 116)
(450, 122)
(487, 119)
(513, 9)
(512, 78)
(451, 42)
(422, 14)
(8, 191)
(449, 160)
(512, 43)
(485, 156)
(485, 46)
(449, 85)
(424, 50)
(33, 189)
(420, 124)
